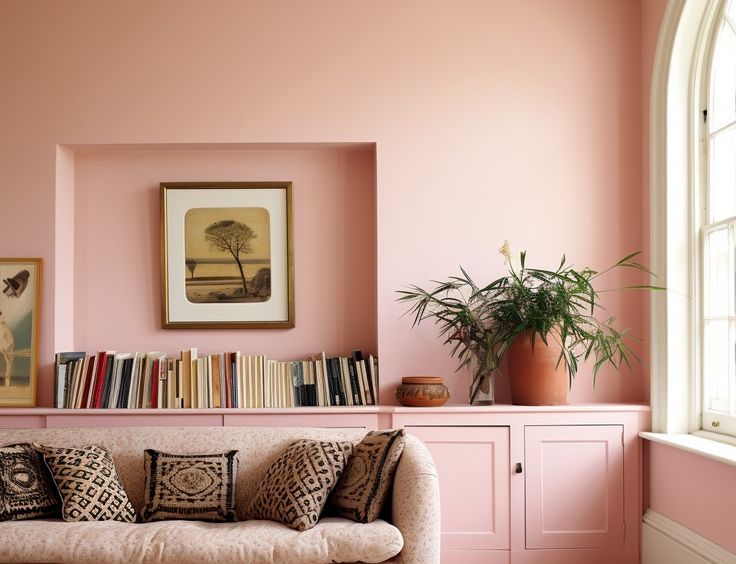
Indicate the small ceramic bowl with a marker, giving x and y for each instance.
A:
(422, 391)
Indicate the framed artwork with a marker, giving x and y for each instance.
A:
(226, 255)
(20, 282)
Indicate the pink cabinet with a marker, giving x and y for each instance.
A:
(574, 486)
(536, 485)
(473, 468)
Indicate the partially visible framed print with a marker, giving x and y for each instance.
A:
(226, 259)
(20, 284)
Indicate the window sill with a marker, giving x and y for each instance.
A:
(717, 450)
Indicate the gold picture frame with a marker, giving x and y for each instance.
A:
(227, 259)
(20, 291)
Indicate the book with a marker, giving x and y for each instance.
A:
(85, 389)
(216, 381)
(345, 377)
(63, 375)
(354, 384)
(95, 401)
(125, 378)
(171, 384)
(133, 398)
(372, 366)
(186, 376)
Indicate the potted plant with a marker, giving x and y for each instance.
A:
(546, 322)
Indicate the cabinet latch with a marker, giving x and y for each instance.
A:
(517, 468)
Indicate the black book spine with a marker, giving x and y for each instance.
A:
(333, 367)
(354, 382)
(234, 399)
(125, 383)
(107, 384)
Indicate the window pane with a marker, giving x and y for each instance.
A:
(717, 361)
(722, 188)
(723, 85)
(718, 289)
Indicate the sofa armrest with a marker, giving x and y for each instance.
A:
(415, 505)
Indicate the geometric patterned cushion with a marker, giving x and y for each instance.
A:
(297, 484)
(361, 492)
(88, 484)
(190, 486)
(26, 489)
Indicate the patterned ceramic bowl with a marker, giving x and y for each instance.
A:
(422, 391)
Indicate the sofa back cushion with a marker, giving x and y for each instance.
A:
(26, 487)
(190, 486)
(258, 448)
(88, 484)
(297, 484)
(362, 491)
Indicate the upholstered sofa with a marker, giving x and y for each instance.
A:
(411, 536)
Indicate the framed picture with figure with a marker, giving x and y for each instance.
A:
(226, 255)
(20, 284)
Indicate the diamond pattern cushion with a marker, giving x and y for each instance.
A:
(190, 486)
(297, 484)
(26, 489)
(88, 484)
(364, 486)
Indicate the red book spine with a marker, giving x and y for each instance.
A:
(99, 379)
(155, 376)
(88, 379)
(228, 381)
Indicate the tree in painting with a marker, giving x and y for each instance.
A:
(191, 266)
(231, 237)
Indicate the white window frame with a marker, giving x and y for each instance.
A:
(675, 207)
(711, 420)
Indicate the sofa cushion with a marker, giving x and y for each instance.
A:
(26, 488)
(190, 486)
(297, 484)
(361, 492)
(88, 484)
(192, 542)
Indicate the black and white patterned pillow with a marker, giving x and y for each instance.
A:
(190, 486)
(26, 489)
(88, 484)
(364, 486)
(297, 484)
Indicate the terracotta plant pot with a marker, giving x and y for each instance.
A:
(534, 376)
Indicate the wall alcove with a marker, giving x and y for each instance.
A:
(107, 257)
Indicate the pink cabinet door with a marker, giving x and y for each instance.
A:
(473, 468)
(574, 486)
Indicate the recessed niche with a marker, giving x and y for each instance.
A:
(111, 263)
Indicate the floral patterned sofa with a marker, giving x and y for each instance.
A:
(412, 536)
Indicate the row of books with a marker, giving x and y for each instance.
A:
(110, 379)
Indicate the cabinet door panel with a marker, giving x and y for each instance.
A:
(473, 468)
(574, 486)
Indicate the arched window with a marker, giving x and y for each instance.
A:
(693, 222)
(718, 224)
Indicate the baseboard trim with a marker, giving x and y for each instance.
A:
(689, 539)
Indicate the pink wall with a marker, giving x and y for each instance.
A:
(492, 120)
(694, 491)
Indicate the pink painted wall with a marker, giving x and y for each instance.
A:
(492, 120)
(694, 491)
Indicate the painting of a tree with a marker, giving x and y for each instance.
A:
(227, 258)
(232, 237)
